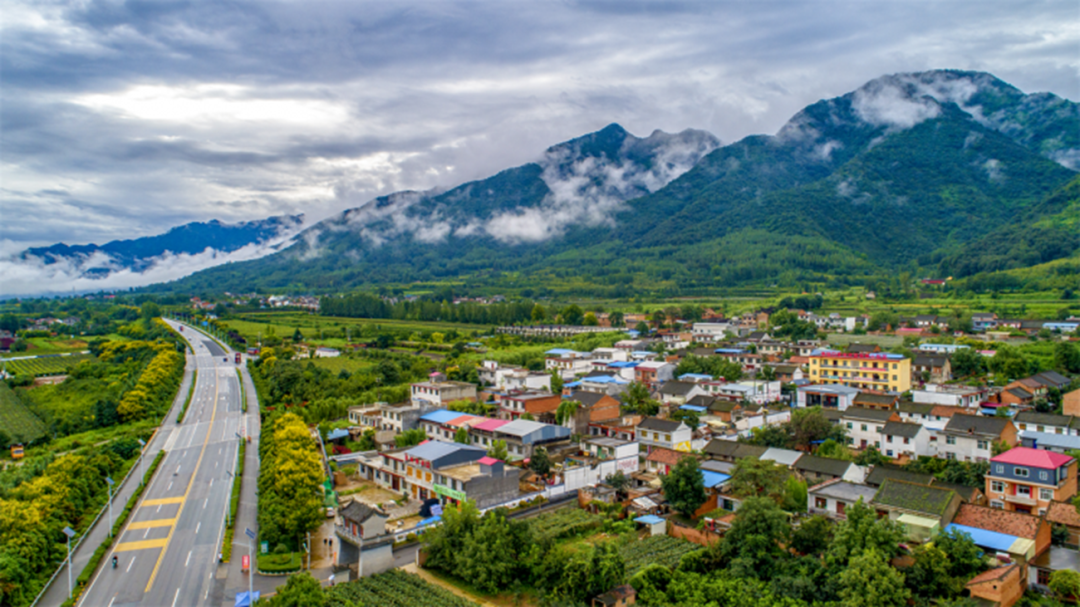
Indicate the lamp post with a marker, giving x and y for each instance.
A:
(70, 533)
(142, 452)
(111, 482)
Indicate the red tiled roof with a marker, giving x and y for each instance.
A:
(1063, 513)
(1002, 521)
(1026, 456)
(947, 410)
(992, 575)
(664, 456)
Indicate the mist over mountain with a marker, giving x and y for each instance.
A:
(906, 172)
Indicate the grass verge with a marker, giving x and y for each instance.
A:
(234, 506)
(243, 393)
(187, 401)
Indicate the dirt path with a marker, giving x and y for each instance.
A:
(412, 568)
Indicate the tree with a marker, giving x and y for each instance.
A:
(862, 532)
(684, 486)
(498, 450)
(690, 418)
(528, 416)
(618, 481)
(637, 399)
(462, 436)
(301, 590)
(928, 576)
(556, 382)
(795, 495)
(757, 478)
(834, 450)
(573, 314)
(540, 463)
(869, 581)
(538, 314)
(590, 320)
(1066, 357)
(871, 457)
(642, 328)
(966, 362)
(813, 535)
(809, 426)
(566, 411)
(752, 545)
(409, 438)
(1065, 583)
(616, 318)
(149, 311)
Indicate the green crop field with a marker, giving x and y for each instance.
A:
(352, 365)
(18, 422)
(45, 365)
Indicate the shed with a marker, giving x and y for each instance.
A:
(656, 525)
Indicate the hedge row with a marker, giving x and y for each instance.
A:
(118, 524)
(234, 506)
(187, 401)
(243, 395)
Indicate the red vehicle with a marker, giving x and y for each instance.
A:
(181, 328)
(238, 358)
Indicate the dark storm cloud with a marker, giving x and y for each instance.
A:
(124, 118)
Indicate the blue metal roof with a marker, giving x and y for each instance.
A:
(701, 376)
(441, 416)
(713, 479)
(998, 542)
(629, 364)
(694, 408)
(560, 351)
(729, 351)
(336, 434)
(605, 379)
(650, 519)
(573, 384)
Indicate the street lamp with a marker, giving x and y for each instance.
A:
(111, 482)
(70, 533)
(142, 451)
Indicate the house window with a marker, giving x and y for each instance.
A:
(981, 444)
(1023, 490)
(950, 440)
(840, 507)
(864, 427)
(1046, 494)
(907, 441)
(997, 486)
(1043, 475)
(996, 504)
(999, 469)
(950, 455)
(889, 453)
(1020, 472)
(820, 502)
(888, 438)
(850, 425)
(1042, 577)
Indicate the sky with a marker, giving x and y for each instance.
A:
(123, 119)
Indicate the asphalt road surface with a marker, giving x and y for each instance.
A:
(167, 553)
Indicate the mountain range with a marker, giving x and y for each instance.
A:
(944, 172)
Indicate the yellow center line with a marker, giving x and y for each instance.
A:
(162, 501)
(139, 545)
(209, 431)
(161, 522)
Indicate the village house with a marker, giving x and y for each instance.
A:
(362, 539)
(1020, 537)
(923, 510)
(838, 397)
(904, 439)
(970, 438)
(653, 433)
(1049, 423)
(523, 437)
(882, 371)
(652, 373)
(1028, 480)
(538, 404)
(731, 451)
(864, 426)
(833, 497)
(440, 393)
(931, 368)
(955, 396)
(486, 481)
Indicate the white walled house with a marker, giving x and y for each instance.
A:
(833, 498)
(654, 432)
(606, 456)
(864, 425)
(903, 438)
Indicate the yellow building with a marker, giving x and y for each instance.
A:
(870, 371)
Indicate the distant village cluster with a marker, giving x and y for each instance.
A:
(904, 407)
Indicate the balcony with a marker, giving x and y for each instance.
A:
(1020, 499)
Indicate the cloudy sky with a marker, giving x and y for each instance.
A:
(122, 119)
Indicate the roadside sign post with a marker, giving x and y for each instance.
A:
(111, 482)
(251, 555)
(70, 533)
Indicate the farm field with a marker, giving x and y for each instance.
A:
(16, 420)
(563, 523)
(310, 324)
(342, 363)
(660, 549)
(45, 365)
(393, 589)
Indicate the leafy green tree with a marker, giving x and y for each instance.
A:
(556, 382)
(538, 314)
(566, 411)
(637, 399)
(809, 425)
(462, 437)
(871, 457)
(618, 481)
(489, 555)
(832, 449)
(967, 362)
(1066, 357)
(301, 590)
(528, 416)
(965, 558)
(752, 547)
(590, 320)
(642, 328)
(690, 418)
(795, 495)
(540, 462)
(813, 535)
(573, 315)
(862, 531)
(928, 576)
(773, 435)
(1065, 583)
(498, 450)
(869, 581)
(409, 438)
(684, 486)
(616, 318)
(758, 478)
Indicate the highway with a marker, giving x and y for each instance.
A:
(167, 552)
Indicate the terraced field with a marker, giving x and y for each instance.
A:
(18, 422)
(45, 365)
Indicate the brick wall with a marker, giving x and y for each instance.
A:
(702, 538)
